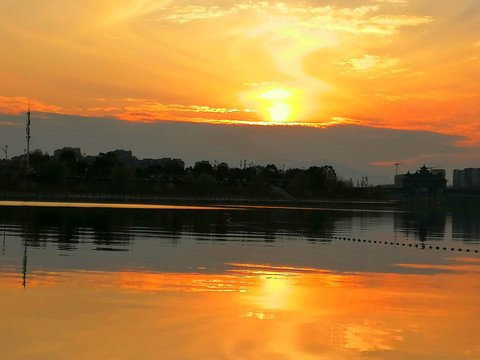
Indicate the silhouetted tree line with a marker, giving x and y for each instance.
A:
(67, 170)
(107, 228)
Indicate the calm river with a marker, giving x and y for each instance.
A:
(238, 283)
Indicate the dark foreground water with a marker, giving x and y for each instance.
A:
(238, 283)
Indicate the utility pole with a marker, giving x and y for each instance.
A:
(24, 267)
(28, 139)
(396, 168)
(5, 150)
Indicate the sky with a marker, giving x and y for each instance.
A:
(363, 84)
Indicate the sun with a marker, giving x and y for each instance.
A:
(274, 103)
(277, 103)
(279, 112)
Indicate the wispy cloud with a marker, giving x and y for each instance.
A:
(263, 83)
(103, 109)
(373, 66)
(9, 123)
(360, 20)
(369, 62)
(131, 109)
(185, 14)
(431, 96)
(354, 20)
(413, 162)
(392, 1)
(336, 120)
(18, 105)
(147, 110)
(157, 107)
(384, 163)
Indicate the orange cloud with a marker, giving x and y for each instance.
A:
(149, 111)
(384, 163)
(8, 123)
(19, 105)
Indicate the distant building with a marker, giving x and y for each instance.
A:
(398, 180)
(202, 163)
(440, 172)
(423, 180)
(466, 179)
(163, 162)
(178, 162)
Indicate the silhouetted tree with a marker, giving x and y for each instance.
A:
(322, 179)
(38, 160)
(202, 167)
(102, 166)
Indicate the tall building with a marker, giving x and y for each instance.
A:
(467, 178)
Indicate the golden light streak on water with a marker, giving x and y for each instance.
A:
(108, 205)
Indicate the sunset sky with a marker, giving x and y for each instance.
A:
(363, 83)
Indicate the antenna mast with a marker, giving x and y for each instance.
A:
(28, 139)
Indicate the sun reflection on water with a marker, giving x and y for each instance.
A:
(303, 313)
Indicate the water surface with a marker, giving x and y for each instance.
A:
(238, 283)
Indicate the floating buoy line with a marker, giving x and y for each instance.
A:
(391, 243)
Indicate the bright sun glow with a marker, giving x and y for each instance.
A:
(280, 111)
(276, 292)
(275, 94)
(277, 102)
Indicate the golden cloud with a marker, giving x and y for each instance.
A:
(355, 20)
(18, 105)
(392, 1)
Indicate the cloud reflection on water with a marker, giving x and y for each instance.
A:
(309, 313)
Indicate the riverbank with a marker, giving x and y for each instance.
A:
(177, 199)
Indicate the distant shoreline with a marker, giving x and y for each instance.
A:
(151, 199)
